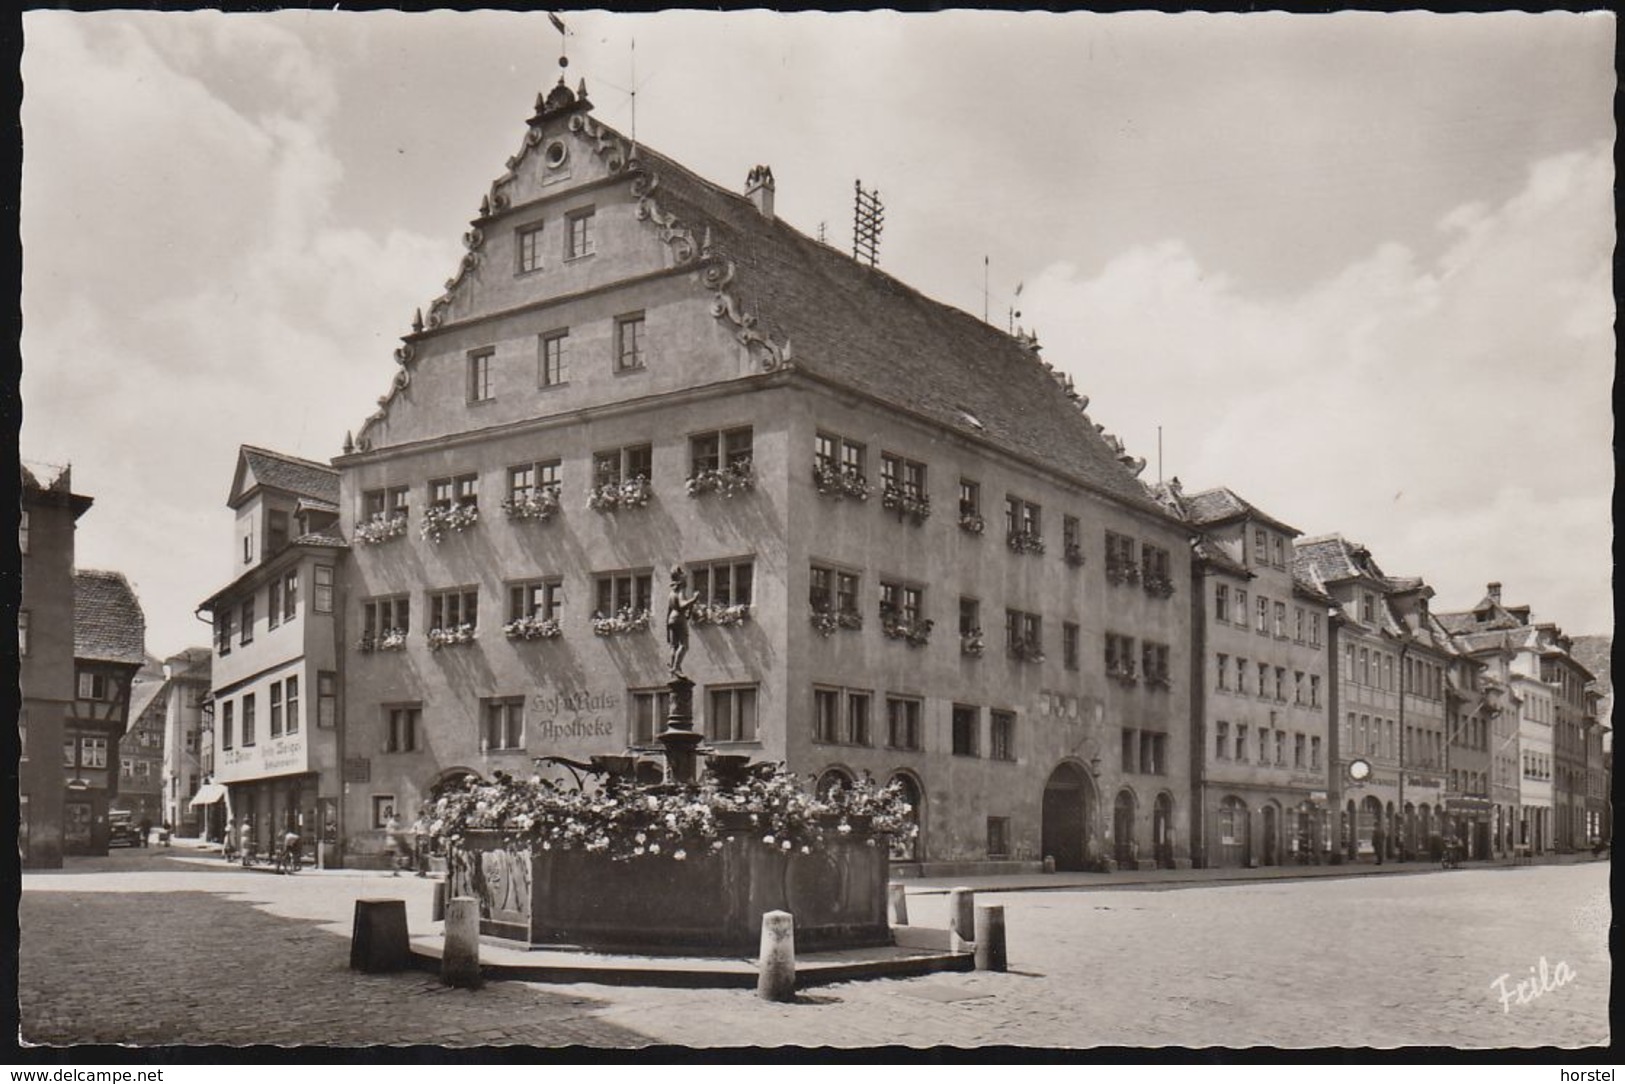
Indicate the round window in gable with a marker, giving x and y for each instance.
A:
(556, 154)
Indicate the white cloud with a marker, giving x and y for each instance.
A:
(1452, 413)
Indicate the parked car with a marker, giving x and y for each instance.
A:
(122, 830)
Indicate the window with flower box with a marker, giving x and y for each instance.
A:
(385, 623)
(970, 626)
(726, 590)
(1155, 575)
(970, 507)
(383, 514)
(1001, 743)
(1121, 566)
(1023, 635)
(1154, 664)
(733, 713)
(902, 723)
(1069, 645)
(533, 490)
(504, 724)
(1120, 661)
(901, 612)
(621, 477)
(630, 354)
(1023, 525)
(967, 725)
(721, 462)
(479, 375)
(624, 596)
(553, 359)
(1072, 541)
(838, 467)
(902, 487)
(401, 727)
(649, 708)
(833, 599)
(535, 609)
(453, 616)
(459, 491)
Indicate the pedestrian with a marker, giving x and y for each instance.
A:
(392, 841)
(1376, 843)
(228, 848)
(146, 830)
(247, 846)
(420, 843)
(290, 849)
(164, 832)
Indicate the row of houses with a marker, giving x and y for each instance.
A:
(918, 559)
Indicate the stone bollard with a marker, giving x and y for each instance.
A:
(990, 954)
(961, 919)
(460, 958)
(438, 913)
(1049, 863)
(776, 968)
(899, 905)
(378, 939)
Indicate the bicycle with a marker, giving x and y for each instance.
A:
(288, 859)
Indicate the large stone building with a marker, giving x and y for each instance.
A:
(274, 682)
(1264, 647)
(141, 750)
(109, 646)
(45, 645)
(918, 558)
(185, 710)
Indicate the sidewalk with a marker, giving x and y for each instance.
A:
(1175, 878)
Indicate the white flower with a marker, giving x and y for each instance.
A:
(637, 850)
(535, 779)
(679, 854)
(546, 846)
(671, 820)
(716, 844)
(786, 844)
(765, 839)
(654, 803)
(806, 849)
(845, 828)
(640, 837)
(654, 848)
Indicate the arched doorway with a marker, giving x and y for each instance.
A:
(1162, 830)
(1123, 845)
(1271, 852)
(833, 778)
(1368, 828)
(1350, 834)
(1305, 844)
(910, 850)
(1234, 832)
(1067, 814)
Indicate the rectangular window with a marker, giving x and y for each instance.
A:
(529, 245)
(1314, 630)
(1071, 536)
(385, 503)
(1069, 644)
(1120, 661)
(1280, 748)
(1221, 603)
(902, 723)
(733, 714)
(622, 592)
(228, 734)
(1297, 686)
(536, 599)
(630, 355)
(401, 727)
(554, 359)
(248, 719)
(291, 694)
(463, 489)
(322, 597)
(290, 594)
(1297, 623)
(1280, 621)
(1278, 545)
(902, 476)
(93, 752)
(1223, 670)
(826, 715)
(1314, 753)
(970, 498)
(970, 617)
(1221, 740)
(1299, 744)
(1023, 635)
(453, 609)
(1241, 674)
(634, 462)
(900, 603)
(1280, 684)
(998, 837)
(504, 725)
(384, 618)
(1263, 679)
(1002, 735)
(247, 632)
(273, 609)
(580, 241)
(1365, 667)
(649, 710)
(857, 718)
(1241, 741)
(1263, 624)
(1241, 608)
(275, 711)
(1261, 551)
(1120, 557)
(967, 722)
(479, 375)
(1129, 753)
(1153, 565)
(727, 448)
(1263, 746)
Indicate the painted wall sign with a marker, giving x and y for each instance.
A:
(575, 715)
(273, 756)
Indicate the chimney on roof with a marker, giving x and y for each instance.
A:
(1495, 593)
(759, 189)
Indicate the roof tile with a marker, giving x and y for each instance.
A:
(108, 625)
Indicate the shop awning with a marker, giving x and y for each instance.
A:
(208, 794)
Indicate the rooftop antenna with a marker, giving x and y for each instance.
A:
(1159, 455)
(1015, 313)
(634, 62)
(868, 219)
(984, 289)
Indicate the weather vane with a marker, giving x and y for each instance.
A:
(564, 60)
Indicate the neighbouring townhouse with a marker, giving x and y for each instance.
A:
(109, 647)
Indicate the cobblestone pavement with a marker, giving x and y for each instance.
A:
(1379, 961)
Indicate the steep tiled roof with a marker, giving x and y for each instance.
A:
(143, 695)
(1332, 558)
(329, 537)
(304, 477)
(1311, 587)
(1216, 556)
(859, 327)
(1596, 654)
(108, 625)
(1221, 504)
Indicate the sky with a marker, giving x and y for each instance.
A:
(1355, 267)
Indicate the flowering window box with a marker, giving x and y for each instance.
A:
(541, 505)
(622, 623)
(1073, 555)
(1160, 586)
(1160, 681)
(454, 634)
(720, 614)
(1123, 673)
(1121, 573)
(828, 622)
(972, 644)
(916, 506)
(389, 640)
(534, 627)
(729, 481)
(1027, 651)
(971, 521)
(915, 632)
(839, 482)
(615, 496)
(1024, 542)
(437, 520)
(380, 528)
